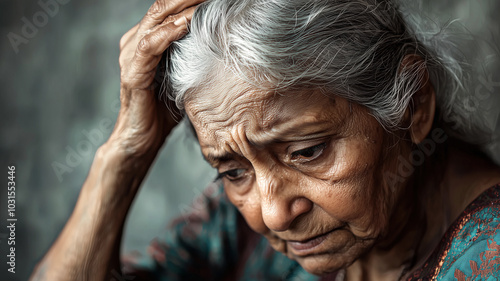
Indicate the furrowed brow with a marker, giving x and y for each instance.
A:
(216, 159)
(300, 132)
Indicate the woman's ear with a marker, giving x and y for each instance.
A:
(420, 114)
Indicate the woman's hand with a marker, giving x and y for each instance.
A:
(144, 121)
(88, 247)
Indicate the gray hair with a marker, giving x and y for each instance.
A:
(349, 48)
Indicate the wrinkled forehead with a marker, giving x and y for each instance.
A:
(220, 109)
(225, 106)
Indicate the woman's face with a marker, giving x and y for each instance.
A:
(304, 170)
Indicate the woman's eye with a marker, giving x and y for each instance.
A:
(309, 154)
(232, 175)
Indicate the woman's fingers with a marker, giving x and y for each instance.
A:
(150, 49)
(140, 56)
(157, 39)
(161, 36)
(154, 43)
(128, 36)
(161, 9)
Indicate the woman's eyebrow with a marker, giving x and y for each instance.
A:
(300, 132)
(215, 159)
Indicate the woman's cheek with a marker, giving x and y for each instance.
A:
(351, 195)
(250, 210)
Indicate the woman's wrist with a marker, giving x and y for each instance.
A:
(87, 245)
(116, 175)
(134, 144)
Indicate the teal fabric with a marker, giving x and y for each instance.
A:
(477, 254)
(470, 249)
(213, 242)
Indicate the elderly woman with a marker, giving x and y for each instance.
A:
(342, 144)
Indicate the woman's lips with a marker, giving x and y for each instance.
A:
(305, 247)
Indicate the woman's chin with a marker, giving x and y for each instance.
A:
(324, 264)
(321, 265)
(328, 262)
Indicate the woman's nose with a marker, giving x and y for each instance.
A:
(281, 201)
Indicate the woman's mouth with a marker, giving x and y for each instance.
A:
(306, 247)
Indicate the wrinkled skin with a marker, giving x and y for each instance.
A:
(298, 166)
(88, 246)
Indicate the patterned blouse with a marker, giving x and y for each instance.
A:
(213, 242)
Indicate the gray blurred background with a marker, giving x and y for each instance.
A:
(60, 85)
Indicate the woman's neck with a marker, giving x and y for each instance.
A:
(452, 181)
(467, 175)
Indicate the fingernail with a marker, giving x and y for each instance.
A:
(180, 21)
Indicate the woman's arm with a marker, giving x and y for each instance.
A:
(88, 246)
